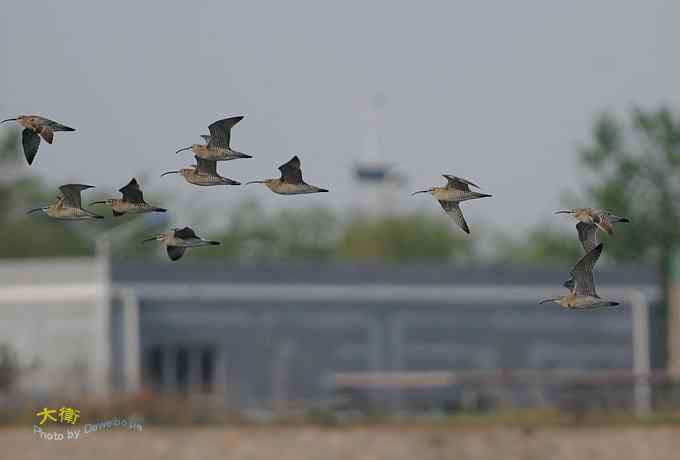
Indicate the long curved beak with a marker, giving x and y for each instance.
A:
(182, 150)
(548, 300)
(420, 191)
(9, 119)
(153, 238)
(254, 182)
(564, 211)
(32, 211)
(169, 172)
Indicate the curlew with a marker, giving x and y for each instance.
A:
(204, 173)
(591, 220)
(68, 205)
(178, 240)
(217, 144)
(581, 285)
(131, 203)
(290, 182)
(35, 127)
(456, 190)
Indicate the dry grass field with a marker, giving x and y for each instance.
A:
(388, 441)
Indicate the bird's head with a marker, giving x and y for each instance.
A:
(429, 190)
(108, 201)
(161, 237)
(555, 300)
(183, 172)
(192, 147)
(18, 119)
(268, 182)
(42, 210)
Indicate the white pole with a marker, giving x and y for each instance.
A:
(102, 351)
(641, 360)
(131, 368)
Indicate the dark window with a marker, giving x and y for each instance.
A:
(208, 357)
(156, 367)
(182, 369)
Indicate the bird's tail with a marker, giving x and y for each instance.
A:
(159, 209)
(60, 127)
(474, 196)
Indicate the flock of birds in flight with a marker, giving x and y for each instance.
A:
(217, 147)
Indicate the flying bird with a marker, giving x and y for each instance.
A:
(290, 182)
(35, 127)
(131, 203)
(217, 144)
(203, 173)
(456, 190)
(69, 205)
(581, 285)
(178, 240)
(591, 220)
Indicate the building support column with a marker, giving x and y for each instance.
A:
(102, 348)
(673, 323)
(169, 373)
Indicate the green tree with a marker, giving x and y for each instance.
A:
(411, 238)
(635, 171)
(306, 234)
(9, 368)
(540, 245)
(29, 236)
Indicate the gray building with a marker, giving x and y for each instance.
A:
(276, 336)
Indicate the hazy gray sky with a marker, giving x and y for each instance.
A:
(498, 92)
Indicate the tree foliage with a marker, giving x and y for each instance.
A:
(636, 173)
(306, 234)
(540, 245)
(409, 238)
(318, 234)
(27, 236)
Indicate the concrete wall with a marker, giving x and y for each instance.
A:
(273, 354)
(53, 317)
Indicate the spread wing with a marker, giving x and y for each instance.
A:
(582, 273)
(602, 221)
(53, 125)
(587, 235)
(453, 209)
(185, 233)
(71, 194)
(458, 183)
(31, 142)
(132, 193)
(291, 172)
(220, 132)
(175, 252)
(206, 167)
